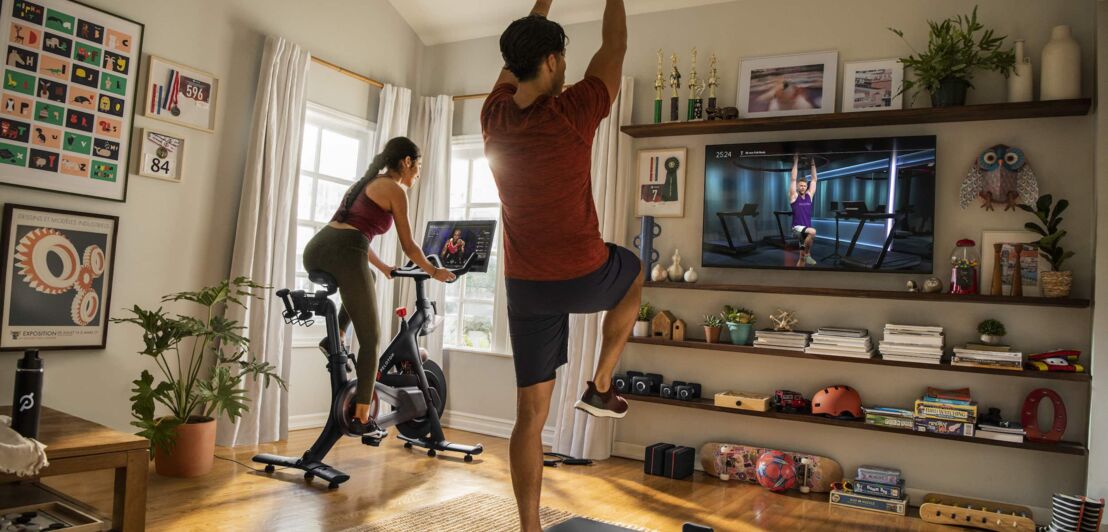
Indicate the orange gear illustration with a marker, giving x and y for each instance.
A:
(84, 280)
(85, 307)
(94, 258)
(32, 253)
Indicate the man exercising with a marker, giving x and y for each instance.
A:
(538, 141)
(800, 198)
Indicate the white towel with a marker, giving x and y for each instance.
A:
(19, 455)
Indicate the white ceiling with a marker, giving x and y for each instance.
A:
(443, 21)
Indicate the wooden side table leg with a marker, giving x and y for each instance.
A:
(129, 510)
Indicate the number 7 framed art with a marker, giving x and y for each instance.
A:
(181, 95)
(70, 77)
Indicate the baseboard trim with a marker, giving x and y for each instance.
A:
(491, 426)
(308, 421)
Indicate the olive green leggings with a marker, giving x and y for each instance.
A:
(342, 253)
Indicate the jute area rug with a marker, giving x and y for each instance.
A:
(475, 512)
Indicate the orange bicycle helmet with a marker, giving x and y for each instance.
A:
(837, 401)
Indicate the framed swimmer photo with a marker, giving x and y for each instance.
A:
(785, 85)
(660, 183)
(180, 95)
(70, 82)
(873, 85)
(56, 275)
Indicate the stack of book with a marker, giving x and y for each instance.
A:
(1011, 431)
(897, 418)
(790, 340)
(988, 356)
(912, 343)
(841, 342)
(948, 412)
(878, 489)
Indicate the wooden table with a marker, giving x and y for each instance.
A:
(75, 445)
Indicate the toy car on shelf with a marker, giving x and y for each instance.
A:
(790, 401)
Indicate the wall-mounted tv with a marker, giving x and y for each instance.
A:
(851, 205)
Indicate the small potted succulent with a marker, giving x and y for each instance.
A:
(642, 325)
(740, 324)
(956, 47)
(992, 331)
(1058, 282)
(713, 325)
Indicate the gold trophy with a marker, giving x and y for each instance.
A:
(675, 98)
(713, 82)
(696, 89)
(659, 87)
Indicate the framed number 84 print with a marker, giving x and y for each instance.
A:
(161, 155)
(67, 102)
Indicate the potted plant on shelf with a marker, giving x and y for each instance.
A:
(1057, 282)
(992, 331)
(642, 325)
(956, 48)
(713, 325)
(202, 364)
(740, 324)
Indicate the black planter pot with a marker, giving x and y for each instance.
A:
(951, 92)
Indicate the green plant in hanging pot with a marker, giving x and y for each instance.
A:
(713, 326)
(956, 48)
(642, 324)
(991, 331)
(740, 324)
(1057, 282)
(202, 363)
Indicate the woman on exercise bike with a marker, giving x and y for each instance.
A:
(341, 249)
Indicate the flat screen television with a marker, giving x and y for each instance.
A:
(868, 205)
(455, 241)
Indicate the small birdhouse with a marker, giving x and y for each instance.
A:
(679, 330)
(662, 326)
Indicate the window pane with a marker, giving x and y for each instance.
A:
(485, 213)
(328, 196)
(307, 151)
(482, 286)
(484, 188)
(302, 283)
(477, 326)
(459, 182)
(450, 332)
(304, 197)
(457, 213)
(304, 233)
(338, 155)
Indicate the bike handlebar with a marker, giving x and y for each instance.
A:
(411, 271)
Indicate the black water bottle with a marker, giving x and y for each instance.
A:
(27, 403)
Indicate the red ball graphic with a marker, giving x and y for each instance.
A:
(775, 471)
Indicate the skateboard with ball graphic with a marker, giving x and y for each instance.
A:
(731, 461)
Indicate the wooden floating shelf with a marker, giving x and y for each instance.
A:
(700, 344)
(900, 295)
(1062, 447)
(924, 115)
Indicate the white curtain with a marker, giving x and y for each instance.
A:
(577, 433)
(265, 236)
(428, 200)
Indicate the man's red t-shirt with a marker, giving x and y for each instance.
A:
(541, 159)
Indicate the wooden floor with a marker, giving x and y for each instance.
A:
(390, 480)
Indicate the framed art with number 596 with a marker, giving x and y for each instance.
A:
(180, 94)
(161, 156)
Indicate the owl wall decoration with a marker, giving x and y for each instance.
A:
(1000, 175)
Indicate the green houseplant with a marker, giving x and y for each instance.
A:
(713, 326)
(956, 48)
(642, 325)
(991, 331)
(183, 346)
(1057, 282)
(740, 324)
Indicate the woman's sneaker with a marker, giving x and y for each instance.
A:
(607, 404)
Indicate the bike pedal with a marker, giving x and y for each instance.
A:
(371, 441)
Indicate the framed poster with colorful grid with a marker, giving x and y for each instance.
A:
(67, 98)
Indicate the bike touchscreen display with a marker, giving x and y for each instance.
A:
(455, 241)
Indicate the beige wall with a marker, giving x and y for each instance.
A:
(179, 236)
(1098, 437)
(1059, 149)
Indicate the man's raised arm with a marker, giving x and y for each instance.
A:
(542, 8)
(607, 64)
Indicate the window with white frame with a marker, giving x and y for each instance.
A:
(475, 313)
(333, 155)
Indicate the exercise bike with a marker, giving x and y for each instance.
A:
(415, 388)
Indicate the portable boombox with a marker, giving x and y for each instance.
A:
(622, 382)
(687, 391)
(648, 384)
(669, 391)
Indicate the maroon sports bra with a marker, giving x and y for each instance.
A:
(366, 216)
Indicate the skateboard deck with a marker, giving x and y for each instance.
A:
(736, 461)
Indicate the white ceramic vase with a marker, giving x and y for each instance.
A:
(691, 276)
(1019, 83)
(1061, 66)
(641, 330)
(658, 273)
(675, 271)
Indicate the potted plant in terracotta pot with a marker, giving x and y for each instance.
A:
(740, 324)
(992, 331)
(1057, 282)
(956, 47)
(642, 325)
(202, 362)
(713, 325)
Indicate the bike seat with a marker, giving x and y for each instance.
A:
(324, 279)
